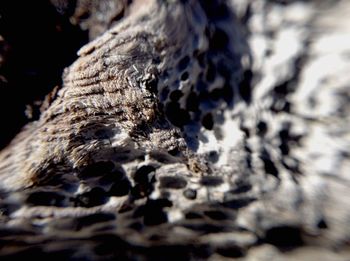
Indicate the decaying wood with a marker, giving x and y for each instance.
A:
(189, 130)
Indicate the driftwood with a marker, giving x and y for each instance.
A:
(189, 130)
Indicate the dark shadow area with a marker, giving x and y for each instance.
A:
(40, 43)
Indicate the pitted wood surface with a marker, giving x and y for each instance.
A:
(189, 130)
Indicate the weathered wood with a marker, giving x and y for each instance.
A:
(190, 130)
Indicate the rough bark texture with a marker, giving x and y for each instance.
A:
(189, 130)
